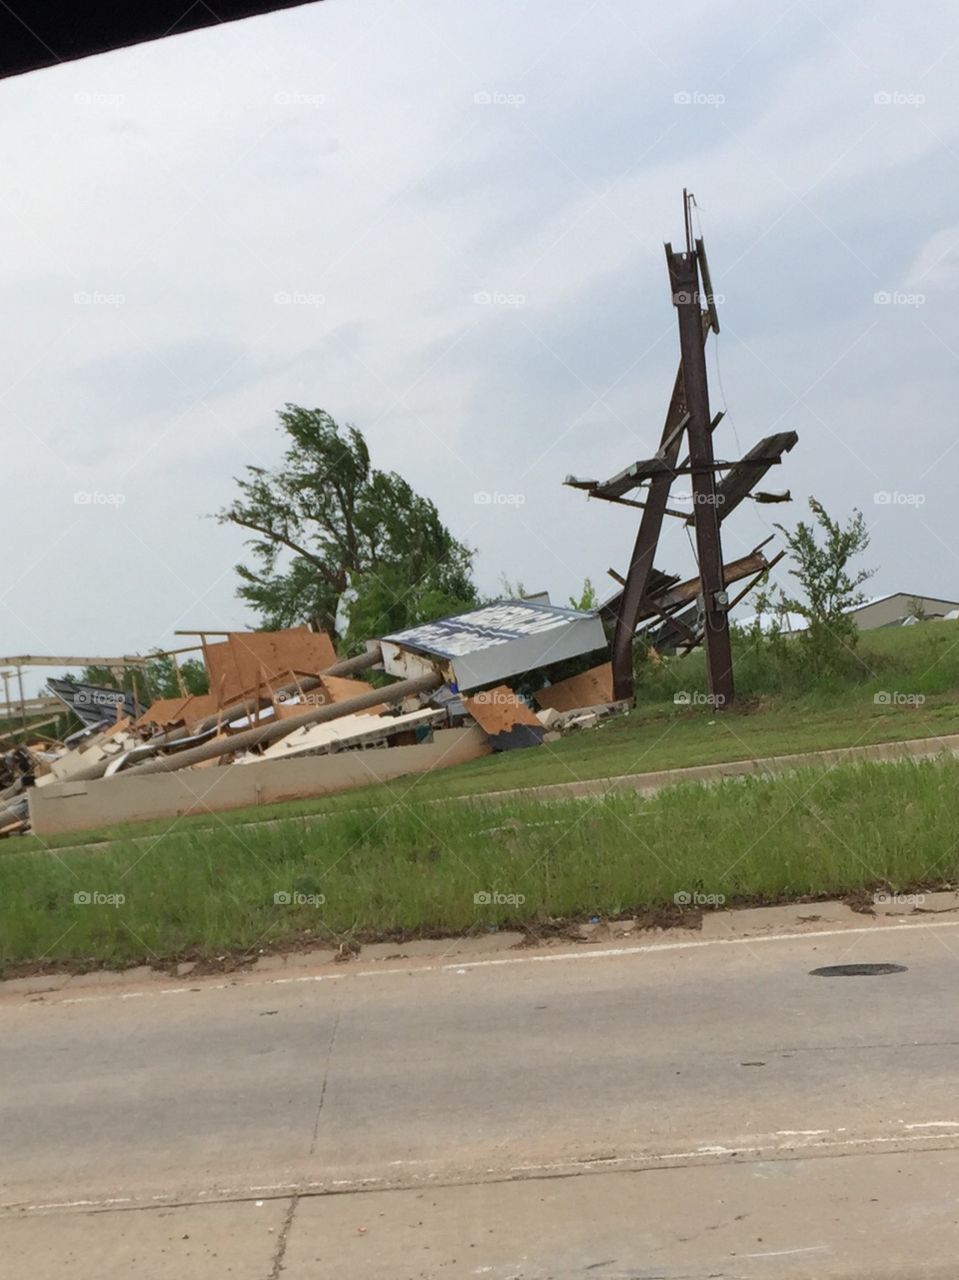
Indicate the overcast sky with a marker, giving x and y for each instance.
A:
(444, 223)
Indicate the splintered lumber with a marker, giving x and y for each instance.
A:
(737, 484)
(237, 664)
(347, 667)
(263, 734)
(687, 591)
(209, 723)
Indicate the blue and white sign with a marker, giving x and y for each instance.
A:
(499, 640)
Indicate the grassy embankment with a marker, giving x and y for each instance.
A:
(390, 861)
(782, 710)
(416, 869)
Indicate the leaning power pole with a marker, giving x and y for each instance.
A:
(694, 612)
(688, 278)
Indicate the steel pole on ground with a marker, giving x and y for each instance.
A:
(170, 739)
(264, 734)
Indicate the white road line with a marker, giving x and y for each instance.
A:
(643, 949)
(464, 966)
(757, 1147)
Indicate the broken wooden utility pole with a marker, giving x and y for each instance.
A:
(647, 592)
(689, 296)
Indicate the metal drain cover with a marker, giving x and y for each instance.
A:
(856, 970)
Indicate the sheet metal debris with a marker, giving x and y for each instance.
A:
(493, 643)
(96, 705)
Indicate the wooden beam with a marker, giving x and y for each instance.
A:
(35, 660)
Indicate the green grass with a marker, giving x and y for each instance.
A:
(410, 869)
(653, 737)
(806, 712)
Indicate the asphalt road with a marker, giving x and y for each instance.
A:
(692, 1107)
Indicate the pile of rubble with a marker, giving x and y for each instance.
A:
(301, 723)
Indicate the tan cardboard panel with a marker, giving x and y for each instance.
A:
(589, 689)
(499, 710)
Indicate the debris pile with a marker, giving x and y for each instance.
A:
(301, 723)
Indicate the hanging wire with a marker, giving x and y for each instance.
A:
(719, 372)
(692, 545)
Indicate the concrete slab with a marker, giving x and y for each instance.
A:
(478, 944)
(809, 1219)
(907, 904)
(793, 917)
(196, 1242)
(114, 977)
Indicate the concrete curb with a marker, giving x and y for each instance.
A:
(766, 766)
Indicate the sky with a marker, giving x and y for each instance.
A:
(445, 223)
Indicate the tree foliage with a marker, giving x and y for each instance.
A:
(156, 679)
(327, 522)
(829, 583)
(588, 600)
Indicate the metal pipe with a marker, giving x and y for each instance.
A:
(266, 733)
(209, 723)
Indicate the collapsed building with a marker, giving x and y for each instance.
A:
(296, 722)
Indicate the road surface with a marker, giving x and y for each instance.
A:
(681, 1105)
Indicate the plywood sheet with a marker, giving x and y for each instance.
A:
(273, 652)
(330, 690)
(499, 710)
(167, 712)
(589, 689)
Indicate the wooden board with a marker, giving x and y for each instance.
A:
(168, 712)
(589, 689)
(331, 689)
(248, 658)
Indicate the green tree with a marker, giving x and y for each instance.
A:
(588, 600)
(327, 522)
(829, 584)
(156, 679)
